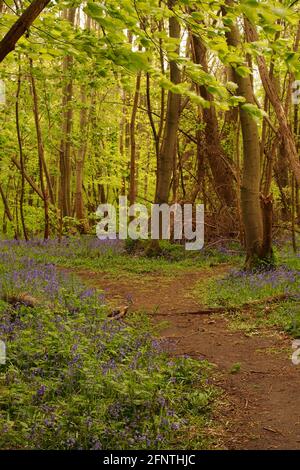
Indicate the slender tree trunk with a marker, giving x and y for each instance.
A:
(50, 189)
(167, 135)
(150, 115)
(5, 204)
(80, 161)
(122, 140)
(293, 215)
(65, 149)
(250, 189)
(296, 133)
(41, 155)
(28, 178)
(20, 143)
(132, 185)
(269, 85)
(79, 201)
(215, 154)
(169, 143)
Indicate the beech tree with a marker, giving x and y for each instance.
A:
(161, 102)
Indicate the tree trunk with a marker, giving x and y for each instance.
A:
(166, 152)
(65, 149)
(28, 178)
(20, 143)
(6, 206)
(269, 85)
(41, 155)
(215, 154)
(169, 144)
(79, 202)
(132, 185)
(250, 187)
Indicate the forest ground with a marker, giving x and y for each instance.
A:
(231, 383)
(259, 404)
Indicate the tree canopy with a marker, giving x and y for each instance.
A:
(163, 101)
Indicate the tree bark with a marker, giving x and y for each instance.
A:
(269, 85)
(169, 143)
(79, 201)
(250, 187)
(20, 143)
(28, 178)
(133, 176)
(215, 154)
(65, 148)
(6, 206)
(41, 155)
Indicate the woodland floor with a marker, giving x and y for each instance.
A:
(260, 403)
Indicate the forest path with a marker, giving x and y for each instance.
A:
(260, 406)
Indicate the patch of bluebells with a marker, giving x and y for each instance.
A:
(242, 286)
(71, 247)
(43, 281)
(75, 379)
(288, 280)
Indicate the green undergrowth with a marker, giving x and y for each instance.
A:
(266, 288)
(75, 379)
(283, 316)
(113, 257)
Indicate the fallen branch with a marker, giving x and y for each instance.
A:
(272, 430)
(8, 43)
(246, 305)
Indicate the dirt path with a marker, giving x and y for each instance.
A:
(261, 403)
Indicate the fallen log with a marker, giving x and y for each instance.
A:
(21, 299)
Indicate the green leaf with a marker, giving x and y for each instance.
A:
(243, 71)
(253, 110)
